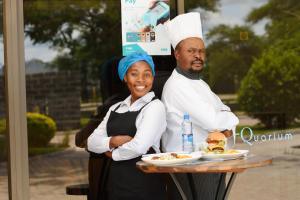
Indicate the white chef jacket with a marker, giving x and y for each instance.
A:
(150, 124)
(207, 112)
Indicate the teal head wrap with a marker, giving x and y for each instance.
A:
(126, 62)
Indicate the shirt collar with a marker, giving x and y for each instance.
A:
(187, 74)
(144, 99)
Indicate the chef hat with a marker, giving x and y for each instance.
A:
(184, 26)
(126, 62)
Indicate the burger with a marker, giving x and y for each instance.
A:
(216, 142)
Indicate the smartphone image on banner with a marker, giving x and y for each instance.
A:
(160, 11)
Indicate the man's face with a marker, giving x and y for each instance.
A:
(190, 54)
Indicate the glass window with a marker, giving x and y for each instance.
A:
(3, 135)
(72, 49)
(253, 65)
(66, 44)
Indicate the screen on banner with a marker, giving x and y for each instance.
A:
(142, 28)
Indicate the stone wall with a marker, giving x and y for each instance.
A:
(56, 94)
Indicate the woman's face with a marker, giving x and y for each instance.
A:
(139, 79)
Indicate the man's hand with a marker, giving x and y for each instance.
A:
(227, 133)
(153, 3)
(108, 154)
(119, 140)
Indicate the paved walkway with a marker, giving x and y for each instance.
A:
(50, 174)
(280, 181)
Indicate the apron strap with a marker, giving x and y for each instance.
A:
(147, 103)
(117, 107)
(140, 108)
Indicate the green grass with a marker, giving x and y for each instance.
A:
(33, 151)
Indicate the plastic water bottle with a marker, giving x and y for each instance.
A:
(187, 134)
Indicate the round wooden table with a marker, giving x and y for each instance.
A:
(202, 166)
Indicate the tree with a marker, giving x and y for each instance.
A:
(86, 32)
(230, 55)
(271, 89)
(272, 84)
(204, 4)
(284, 16)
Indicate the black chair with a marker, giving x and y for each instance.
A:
(79, 189)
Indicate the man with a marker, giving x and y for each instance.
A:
(185, 92)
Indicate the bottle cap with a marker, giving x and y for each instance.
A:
(186, 116)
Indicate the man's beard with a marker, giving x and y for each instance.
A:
(192, 70)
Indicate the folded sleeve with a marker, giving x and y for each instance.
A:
(203, 113)
(98, 141)
(149, 131)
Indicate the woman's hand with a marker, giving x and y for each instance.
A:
(118, 140)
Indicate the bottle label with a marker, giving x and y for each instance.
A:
(187, 142)
(187, 128)
(187, 135)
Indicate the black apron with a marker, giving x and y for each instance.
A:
(125, 181)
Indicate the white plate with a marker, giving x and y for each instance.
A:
(216, 156)
(148, 158)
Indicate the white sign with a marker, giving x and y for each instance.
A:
(142, 28)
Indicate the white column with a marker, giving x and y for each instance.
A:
(180, 7)
(15, 99)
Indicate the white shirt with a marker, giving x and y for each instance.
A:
(150, 124)
(207, 112)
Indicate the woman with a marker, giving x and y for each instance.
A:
(130, 129)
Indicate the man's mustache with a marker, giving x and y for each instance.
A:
(198, 60)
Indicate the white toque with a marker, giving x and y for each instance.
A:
(184, 26)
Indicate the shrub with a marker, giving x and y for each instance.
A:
(41, 129)
(271, 89)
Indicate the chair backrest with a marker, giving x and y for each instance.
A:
(110, 83)
(159, 81)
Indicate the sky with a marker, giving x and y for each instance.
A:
(231, 12)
